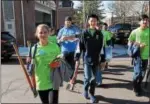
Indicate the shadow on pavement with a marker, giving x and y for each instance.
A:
(79, 81)
(109, 71)
(118, 101)
(128, 86)
(113, 73)
(120, 56)
(118, 85)
(121, 80)
(119, 68)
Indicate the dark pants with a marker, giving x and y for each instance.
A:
(139, 73)
(69, 57)
(49, 96)
(90, 78)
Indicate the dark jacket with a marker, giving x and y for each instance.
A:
(91, 47)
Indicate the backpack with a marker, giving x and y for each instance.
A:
(31, 65)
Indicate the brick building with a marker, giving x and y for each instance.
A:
(20, 17)
(64, 8)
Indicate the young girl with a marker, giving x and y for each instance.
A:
(46, 52)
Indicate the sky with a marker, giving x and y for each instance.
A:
(108, 15)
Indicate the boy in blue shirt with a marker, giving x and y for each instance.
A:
(68, 38)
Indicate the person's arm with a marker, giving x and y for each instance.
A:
(77, 34)
(102, 54)
(80, 48)
(61, 38)
(132, 38)
(109, 39)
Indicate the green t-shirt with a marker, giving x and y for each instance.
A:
(44, 56)
(52, 38)
(92, 31)
(141, 36)
(107, 36)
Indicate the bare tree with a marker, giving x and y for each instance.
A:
(122, 9)
(127, 8)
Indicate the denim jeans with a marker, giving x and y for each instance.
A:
(99, 76)
(140, 67)
(90, 78)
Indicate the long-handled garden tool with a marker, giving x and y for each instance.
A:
(31, 83)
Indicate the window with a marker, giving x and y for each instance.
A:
(67, 3)
(8, 9)
(9, 26)
(60, 4)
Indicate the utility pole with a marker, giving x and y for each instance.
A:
(83, 13)
(112, 18)
(23, 23)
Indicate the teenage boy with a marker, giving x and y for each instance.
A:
(68, 39)
(107, 39)
(91, 44)
(140, 37)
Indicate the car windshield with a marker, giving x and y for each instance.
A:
(5, 36)
(123, 26)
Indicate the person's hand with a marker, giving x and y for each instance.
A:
(102, 65)
(71, 38)
(60, 56)
(54, 64)
(142, 45)
(63, 38)
(28, 59)
(97, 27)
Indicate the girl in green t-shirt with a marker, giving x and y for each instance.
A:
(46, 52)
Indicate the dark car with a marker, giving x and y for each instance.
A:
(121, 32)
(7, 49)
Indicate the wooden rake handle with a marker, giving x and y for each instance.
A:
(24, 69)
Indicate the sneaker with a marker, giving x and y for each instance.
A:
(86, 95)
(93, 99)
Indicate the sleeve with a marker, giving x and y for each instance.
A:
(109, 39)
(59, 34)
(77, 32)
(81, 48)
(132, 36)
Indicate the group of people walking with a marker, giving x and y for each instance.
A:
(72, 43)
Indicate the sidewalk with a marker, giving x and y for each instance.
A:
(117, 86)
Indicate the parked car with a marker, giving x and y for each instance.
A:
(7, 49)
(135, 26)
(121, 32)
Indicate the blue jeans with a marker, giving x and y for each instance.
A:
(99, 76)
(140, 67)
(90, 78)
